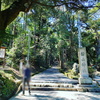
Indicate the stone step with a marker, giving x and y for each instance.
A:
(51, 85)
(94, 90)
(63, 87)
(65, 82)
(97, 79)
(52, 88)
(80, 89)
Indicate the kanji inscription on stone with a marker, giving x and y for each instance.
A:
(83, 62)
(82, 53)
(83, 59)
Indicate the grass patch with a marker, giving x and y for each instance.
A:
(72, 75)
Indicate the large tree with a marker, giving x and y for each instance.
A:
(9, 14)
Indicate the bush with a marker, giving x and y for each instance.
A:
(71, 74)
(91, 71)
(7, 84)
(38, 61)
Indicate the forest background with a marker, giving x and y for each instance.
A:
(47, 32)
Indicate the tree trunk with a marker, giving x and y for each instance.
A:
(71, 47)
(98, 45)
(46, 58)
(8, 15)
(61, 59)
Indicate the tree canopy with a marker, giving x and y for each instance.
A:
(14, 7)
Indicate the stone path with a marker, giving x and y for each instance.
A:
(57, 95)
(52, 78)
(52, 75)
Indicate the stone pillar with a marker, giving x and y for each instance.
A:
(21, 67)
(27, 63)
(84, 78)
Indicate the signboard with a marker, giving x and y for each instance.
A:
(83, 62)
(2, 52)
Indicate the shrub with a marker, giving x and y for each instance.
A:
(71, 74)
(7, 84)
(91, 71)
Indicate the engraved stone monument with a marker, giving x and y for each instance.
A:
(84, 76)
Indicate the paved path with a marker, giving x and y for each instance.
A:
(52, 76)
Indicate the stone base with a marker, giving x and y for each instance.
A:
(85, 81)
(87, 86)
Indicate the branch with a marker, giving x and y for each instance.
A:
(42, 4)
(12, 12)
(70, 4)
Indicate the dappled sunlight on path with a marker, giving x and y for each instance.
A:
(49, 78)
(52, 75)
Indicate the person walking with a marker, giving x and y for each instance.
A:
(26, 78)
